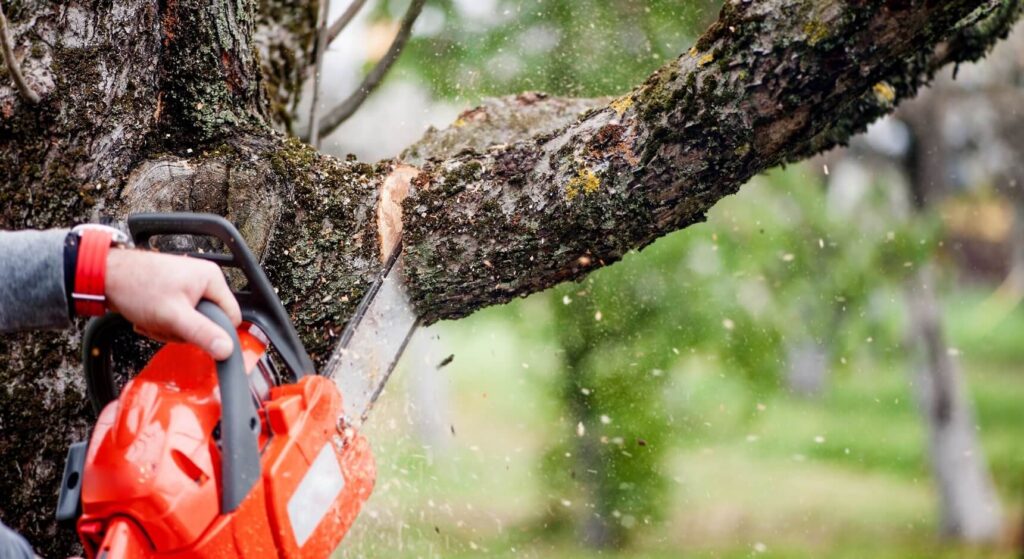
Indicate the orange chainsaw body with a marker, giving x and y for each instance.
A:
(150, 483)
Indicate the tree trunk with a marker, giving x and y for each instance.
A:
(596, 528)
(968, 502)
(1014, 283)
(166, 106)
(594, 476)
(969, 505)
(806, 367)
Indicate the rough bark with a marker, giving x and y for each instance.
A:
(166, 105)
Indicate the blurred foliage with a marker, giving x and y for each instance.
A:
(469, 49)
(778, 267)
(845, 475)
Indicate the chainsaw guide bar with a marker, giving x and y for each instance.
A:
(373, 341)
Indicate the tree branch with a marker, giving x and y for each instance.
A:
(318, 66)
(346, 18)
(500, 121)
(349, 106)
(970, 40)
(770, 82)
(7, 45)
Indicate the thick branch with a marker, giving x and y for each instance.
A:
(499, 122)
(770, 82)
(970, 40)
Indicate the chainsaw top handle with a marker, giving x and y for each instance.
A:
(260, 304)
(239, 425)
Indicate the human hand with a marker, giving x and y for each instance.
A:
(158, 293)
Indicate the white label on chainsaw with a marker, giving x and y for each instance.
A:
(316, 493)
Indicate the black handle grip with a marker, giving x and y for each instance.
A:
(260, 304)
(239, 425)
(150, 224)
(96, 352)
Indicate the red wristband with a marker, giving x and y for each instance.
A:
(91, 273)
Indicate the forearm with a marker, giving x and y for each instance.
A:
(32, 286)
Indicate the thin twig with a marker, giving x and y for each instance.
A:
(318, 67)
(349, 106)
(13, 67)
(335, 29)
(342, 22)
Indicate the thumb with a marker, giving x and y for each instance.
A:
(196, 329)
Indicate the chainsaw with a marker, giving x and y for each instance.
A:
(255, 456)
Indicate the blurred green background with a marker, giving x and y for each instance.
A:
(746, 387)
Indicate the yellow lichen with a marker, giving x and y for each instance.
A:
(885, 92)
(706, 59)
(459, 123)
(694, 52)
(815, 31)
(584, 182)
(622, 104)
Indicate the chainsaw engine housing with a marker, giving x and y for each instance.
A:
(197, 458)
(154, 465)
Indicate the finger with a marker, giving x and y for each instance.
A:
(217, 290)
(196, 329)
(155, 335)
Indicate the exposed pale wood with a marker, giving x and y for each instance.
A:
(394, 191)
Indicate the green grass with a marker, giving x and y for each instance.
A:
(755, 472)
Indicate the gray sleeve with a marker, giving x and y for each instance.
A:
(32, 280)
(13, 546)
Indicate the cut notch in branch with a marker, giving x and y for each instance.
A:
(7, 46)
(393, 192)
(349, 106)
